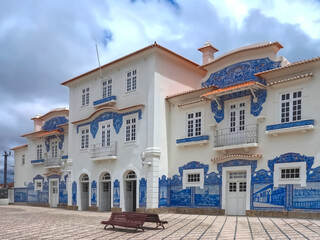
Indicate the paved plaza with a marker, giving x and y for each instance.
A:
(24, 222)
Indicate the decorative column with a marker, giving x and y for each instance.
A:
(150, 161)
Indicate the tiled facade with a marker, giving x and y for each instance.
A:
(236, 135)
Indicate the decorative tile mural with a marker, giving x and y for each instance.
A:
(93, 193)
(143, 193)
(117, 121)
(53, 123)
(240, 72)
(74, 193)
(286, 197)
(116, 193)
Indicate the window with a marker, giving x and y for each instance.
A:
(237, 117)
(106, 177)
(85, 97)
(106, 88)
(39, 151)
(106, 135)
(131, 175)
(232, 187)
(54, 149)
(291, 104)
(131, 80)
(84, 138)
(194, 124)
(194, 177)
(290, 173)
(23, 159)
(131, 129)
(38, 185)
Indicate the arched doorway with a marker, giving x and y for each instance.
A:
(84, 191)
(105, 192)
(130, 191)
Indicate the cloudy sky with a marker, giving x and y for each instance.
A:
(44, 43)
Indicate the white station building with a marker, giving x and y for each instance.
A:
(154, 131)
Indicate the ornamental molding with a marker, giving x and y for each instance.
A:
(306, 76)
(237, 156)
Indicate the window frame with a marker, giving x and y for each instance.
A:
(39, 152)
(131, 129)
(54, 148)
(195, 132)
(188, 172)
(290, 102)
(36, 187)
(85, 97)
(84, 138)
(105, 88)
(132, 79)
(278, 180)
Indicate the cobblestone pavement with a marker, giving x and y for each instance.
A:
(23, 222)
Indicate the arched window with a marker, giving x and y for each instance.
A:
(106, 177)
(85, 178)
(131, 175)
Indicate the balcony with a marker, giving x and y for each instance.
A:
(103, 151)
(105, 101)
(225, 139)
(52, 162)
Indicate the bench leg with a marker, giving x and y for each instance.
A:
(105, 227)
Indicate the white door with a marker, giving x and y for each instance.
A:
(237, 123)
(236, 193)
(54, 193)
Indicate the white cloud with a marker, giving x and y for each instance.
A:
(303, 13)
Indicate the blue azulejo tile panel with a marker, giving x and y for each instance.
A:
(290, 125)
(240, 72)
(306, 197)
(116, 193)
(53, 123)
(37, 161)
(267, 196)
(209, 196)
(143, 192)
(180, 197)
(104, 100)
(192, 139)
(163, 191)
(63, 193)
(20, 195)
(93, 193)
(116, 117)
(74, 193)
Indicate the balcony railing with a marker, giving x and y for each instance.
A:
(101, 150)
(227, 137)
(52, 162)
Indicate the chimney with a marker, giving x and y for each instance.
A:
(207, 53)
(37, 122)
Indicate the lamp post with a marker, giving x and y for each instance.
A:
(5, 169)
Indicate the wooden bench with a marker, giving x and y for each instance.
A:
(126, 220)
(151, 217)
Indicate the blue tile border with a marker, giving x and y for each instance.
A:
(290, 124)
(192, 139)
(103, 100)
(37, 161)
